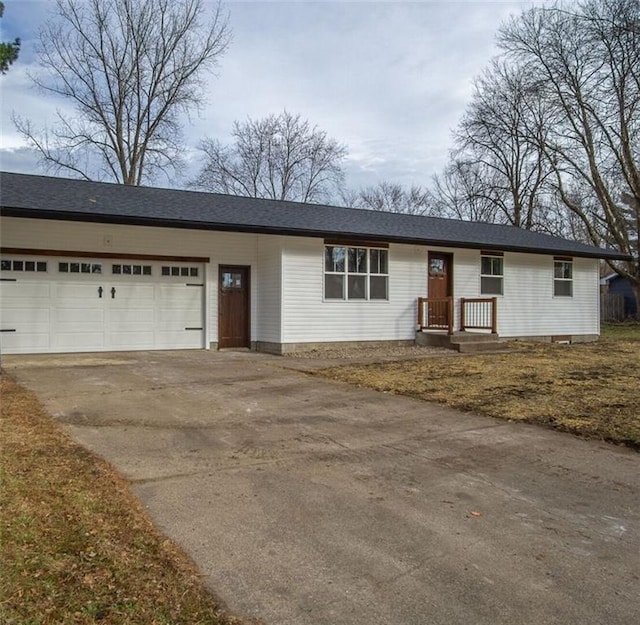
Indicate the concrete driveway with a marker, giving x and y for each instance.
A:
(305, 501)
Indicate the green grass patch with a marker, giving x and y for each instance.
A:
(624, 331)
(77, 547)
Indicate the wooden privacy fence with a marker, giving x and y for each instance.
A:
(611, 307)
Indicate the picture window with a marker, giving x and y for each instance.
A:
(355, 273)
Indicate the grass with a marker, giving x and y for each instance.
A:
(77, 547)
(592, 390)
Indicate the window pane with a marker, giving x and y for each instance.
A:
(374, 261)
(18, 265)
(30, 265)
(357, 260)
(378, 287)
(357, 287)
(126, 269)
(491, 286)
(193, 272)
(5, 265)
(491, 266)
(563, 288)
(563, 269)
(333, 287)
(334, 258)
(116, 268)
(41, 266)
(146, 270)
(74, 267)
(96, 268)
(378, 261)
(384, 261)
(436, 266)
(86, 268)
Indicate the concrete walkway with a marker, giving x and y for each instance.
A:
(309, 502)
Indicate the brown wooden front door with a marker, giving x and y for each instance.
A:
(439, 288)
(233, 306)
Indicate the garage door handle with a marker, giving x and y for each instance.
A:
(100, 289)
(113, 292)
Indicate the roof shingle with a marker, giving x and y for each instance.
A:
(44, 197)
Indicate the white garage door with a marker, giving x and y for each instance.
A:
(60, 304)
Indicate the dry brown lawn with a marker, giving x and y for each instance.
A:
(77, 547)
(592, 390)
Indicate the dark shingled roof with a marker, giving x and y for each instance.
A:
(44, 197)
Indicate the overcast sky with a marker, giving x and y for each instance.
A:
(391, 80)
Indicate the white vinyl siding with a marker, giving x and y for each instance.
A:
(528, 307)
(229, 248)
(308, 317)
(287, 283)
(269, 289)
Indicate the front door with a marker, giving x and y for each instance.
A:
(439, 288)
(233, 306)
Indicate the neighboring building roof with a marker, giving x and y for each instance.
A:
(43, 197)
(606, 279)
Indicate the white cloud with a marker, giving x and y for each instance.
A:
(390, 80)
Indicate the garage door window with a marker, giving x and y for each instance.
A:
(131, 270)
(177, 271)
(80, 267)
(23, 265)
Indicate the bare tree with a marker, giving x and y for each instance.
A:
(281, 157)
(496, 134)
(392, 197)
(584, 62)
(464, 191)
(129, 68)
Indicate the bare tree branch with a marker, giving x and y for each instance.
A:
(129, 68)
(281, 157)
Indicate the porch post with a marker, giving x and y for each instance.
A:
(494, 315)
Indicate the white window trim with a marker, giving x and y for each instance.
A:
(346, 273)
(486, 275)
(555, 280)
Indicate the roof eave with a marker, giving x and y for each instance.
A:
(253, 229)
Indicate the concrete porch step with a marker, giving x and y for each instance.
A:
(463, 342)
(475, 347)
(473, 337)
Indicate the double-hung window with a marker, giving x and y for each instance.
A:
(356, 273)
(562, 277)
(491, 274)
